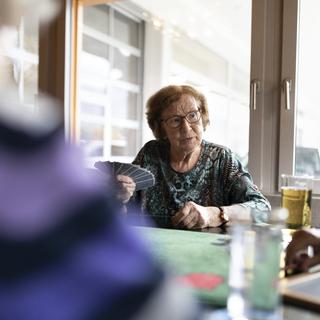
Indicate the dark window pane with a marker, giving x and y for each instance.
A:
(127, 65)
(97, 17)
(95, 47)
(126, 30)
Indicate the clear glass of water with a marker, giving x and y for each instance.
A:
(254, 269)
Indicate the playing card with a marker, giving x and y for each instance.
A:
(142, 177)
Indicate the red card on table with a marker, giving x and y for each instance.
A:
(205, 281)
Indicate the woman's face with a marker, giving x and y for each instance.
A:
(186, 137)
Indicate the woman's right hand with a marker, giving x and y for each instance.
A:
(193, 216)
(126, 188)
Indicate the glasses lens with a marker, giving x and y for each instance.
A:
(193, 116)
(174, 122)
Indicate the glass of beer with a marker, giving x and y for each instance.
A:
(296, 194)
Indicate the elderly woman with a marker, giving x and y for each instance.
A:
(198, 184)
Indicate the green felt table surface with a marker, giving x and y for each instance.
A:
(187, 253)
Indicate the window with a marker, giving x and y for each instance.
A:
(300, 114)
(110, 79)
(307, 144)
(23, 60)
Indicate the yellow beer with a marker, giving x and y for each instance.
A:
(298, 201)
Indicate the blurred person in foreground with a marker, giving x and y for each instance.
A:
(65, 254)
(199, 184)
(298, 259)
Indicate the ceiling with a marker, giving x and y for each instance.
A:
(223, 26)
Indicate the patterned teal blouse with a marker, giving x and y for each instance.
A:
(218, 179)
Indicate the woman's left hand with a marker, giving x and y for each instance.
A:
(194, 216)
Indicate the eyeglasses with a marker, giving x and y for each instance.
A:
(176, 121)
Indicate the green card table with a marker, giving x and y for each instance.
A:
(196, 258)
(201, 260)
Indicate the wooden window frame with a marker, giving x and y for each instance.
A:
(77, 7)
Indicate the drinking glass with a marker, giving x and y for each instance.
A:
(296, 194)
(254, 269)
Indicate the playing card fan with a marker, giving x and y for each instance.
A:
(142, 177)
